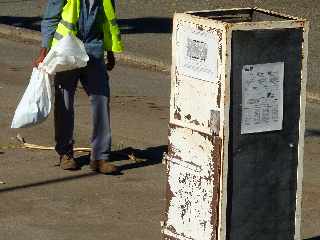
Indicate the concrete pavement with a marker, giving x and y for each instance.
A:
(41, 201)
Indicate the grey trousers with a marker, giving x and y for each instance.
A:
(95, 82)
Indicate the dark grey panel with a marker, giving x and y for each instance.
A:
(263, 166)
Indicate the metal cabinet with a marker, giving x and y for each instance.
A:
(236, 132)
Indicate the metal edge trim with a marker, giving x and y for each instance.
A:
(224, 132)
(303, 99)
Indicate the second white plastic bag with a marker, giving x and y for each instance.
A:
(35, 104)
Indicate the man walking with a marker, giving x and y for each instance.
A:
(94, 22)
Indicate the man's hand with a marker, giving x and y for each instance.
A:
(111, 61)
(42, 55)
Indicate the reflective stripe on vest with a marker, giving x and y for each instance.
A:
(71, 26)
(58, 36)
(70, 16)
(67, 27)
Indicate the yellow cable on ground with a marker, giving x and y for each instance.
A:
(26, 145)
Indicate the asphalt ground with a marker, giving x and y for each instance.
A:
(147, 24)
(40, 201)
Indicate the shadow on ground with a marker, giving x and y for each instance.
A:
(314, 238)
(146, 157)
(127, 26)
(14, 1)
(312, 133)
(149, 156)
(32, 23)
(145, 25)
(48, 182)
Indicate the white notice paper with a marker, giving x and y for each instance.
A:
(262, 97)
(197, 53)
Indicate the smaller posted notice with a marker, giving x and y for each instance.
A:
(262, 97)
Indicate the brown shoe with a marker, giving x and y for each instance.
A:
(103, 166)
(68, 163)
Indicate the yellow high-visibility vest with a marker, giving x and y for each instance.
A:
(70, 16)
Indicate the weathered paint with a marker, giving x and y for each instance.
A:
(184, 109)
(193, 185)
(193, 161)
(195, 113)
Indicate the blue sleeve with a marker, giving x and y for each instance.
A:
(50, 21)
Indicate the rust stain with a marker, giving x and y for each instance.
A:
(188, 117)
(170, 148)
(172, 126)
(178, 81)
(177, 115)
(220, 52)
(216, 159)
(169, 196)
(205, 136)
(196, 122)
(172, 229)
(219, 33)
(185, 206)
(166, 237)
(228, 26)
(173, 154)
(219, 95)
(200, 27)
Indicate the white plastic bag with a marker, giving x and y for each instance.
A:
(68, 54)
(35, 104)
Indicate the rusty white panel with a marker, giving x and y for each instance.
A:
(190, 209)
(193, 185)
(192, 147)
(197, 104)
(196, 74)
